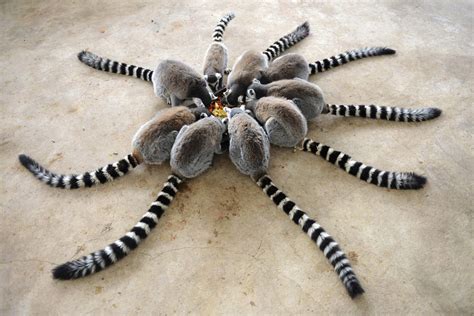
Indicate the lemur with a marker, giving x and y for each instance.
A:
(293, 65)
(310, 100)
(252, 64)
(215, 62)
(194, 145)
(151, 144)
(283, 122)
(249, 151)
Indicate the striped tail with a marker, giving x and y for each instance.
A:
(101, 259)
(287, 41)
(87, 179)
(384, 112)
(220, 27)
(105, 64)
(325, 242)
(384, 179)
(344, 58)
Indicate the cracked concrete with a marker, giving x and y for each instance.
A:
(223, 247)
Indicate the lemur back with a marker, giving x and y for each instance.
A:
(215, 62)
(195, 146)
(307, 96)
(288, 66)
(249, 147)
(176, 81)
(281, 119)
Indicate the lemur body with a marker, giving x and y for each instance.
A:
(177, 82)
(288, 66)
(249, 151)
(249, 147)
(215, 62)
(252, 64)
(281, 119)
(195, 146)
(151, 144)
(307, 96)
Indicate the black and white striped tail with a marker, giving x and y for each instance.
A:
(105, 64)
(385, 179)
(220, 27)
(384, 112)
(101, 259)
(344, 58)
(287, 41)
(87, 179)
(325, 242)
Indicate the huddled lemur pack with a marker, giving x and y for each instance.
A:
(268, 100)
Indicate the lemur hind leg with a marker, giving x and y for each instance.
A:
(385, 179)
(323, 240)
(388, 113)
(120, 248)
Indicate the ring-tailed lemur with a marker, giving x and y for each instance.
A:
(252, 64)
(195, 146)
(215, 62)
(120, 248)
(296, 66)
(310, 100)
(283, 122)
(249, 151)
(151, 144)
(306, 95)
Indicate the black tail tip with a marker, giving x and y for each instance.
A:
(303, 29)
(354, 288)
(81, 54)
(63, 272)
(434, 113)
(26, 161)
(414, 182)
(388, 51)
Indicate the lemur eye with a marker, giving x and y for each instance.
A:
(225, 121)
(203, 115)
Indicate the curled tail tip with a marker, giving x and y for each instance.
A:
(354, 288)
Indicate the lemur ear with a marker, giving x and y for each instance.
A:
(242, 107)
(218, 76)
(240, 99)
(255, 80)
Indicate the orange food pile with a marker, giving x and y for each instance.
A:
(217, 109)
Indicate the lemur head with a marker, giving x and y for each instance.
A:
(199, 90)
(200, 112)
(256, 90)
(235, 94)
(214, 81)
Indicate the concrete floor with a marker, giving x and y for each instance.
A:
(223, 247)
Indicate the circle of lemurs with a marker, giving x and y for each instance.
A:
(268, 100)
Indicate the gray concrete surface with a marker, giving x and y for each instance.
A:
(223, 248)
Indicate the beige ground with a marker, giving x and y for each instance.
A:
(223, 248)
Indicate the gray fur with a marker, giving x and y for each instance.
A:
(248, 66)
(195, 146)
(249, 147)
(307, 96)
(215, 65)
(281, 119)
(177, 82)
(288, 66)
(152, 143)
